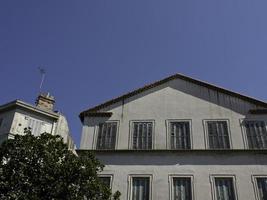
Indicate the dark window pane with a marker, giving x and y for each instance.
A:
(180, 135)
(140, 188)
(182, 189)
(218, 135)
(105, 180)
(142, 135)
(256, 134)
(107, 135)
(224, 189)
(262, 188)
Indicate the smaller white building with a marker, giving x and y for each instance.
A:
(17, 115)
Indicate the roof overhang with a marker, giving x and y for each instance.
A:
(258, 111)
(94, 114)
(28, 107)
(173, 77)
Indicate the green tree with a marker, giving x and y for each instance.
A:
(43, 168)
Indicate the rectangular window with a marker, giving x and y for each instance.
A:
(107, 135)
(180, 135)
(224, 188)
(182, 189)
(256, 134)
(106, 180)
(36, 126)
(142, 135)
(1, 121)
(218, 136)
(262, 188)
(140, 188)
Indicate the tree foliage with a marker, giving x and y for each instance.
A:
(43, 168)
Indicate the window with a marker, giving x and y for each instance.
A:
(181, 188)
(256, 134)
(179, 132)
(140, 188)
(107, 135)
(142, 135)
(1, 121)
(106, 180)
(262, 188)
(224, 188)
(36, 126)
(218, 136)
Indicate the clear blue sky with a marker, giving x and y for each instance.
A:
(97, 50)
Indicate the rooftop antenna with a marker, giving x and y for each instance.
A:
(42, 72)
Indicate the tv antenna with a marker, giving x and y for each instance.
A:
(42, 72)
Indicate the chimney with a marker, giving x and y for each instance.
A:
(45, 101)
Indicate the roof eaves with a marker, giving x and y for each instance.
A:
(175, 76)
(94, 114)
(258, 111)
(19, 103)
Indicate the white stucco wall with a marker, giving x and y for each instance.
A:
(201, 166)
(63, 130)
(21, 118)
(179, 100)
(174, 100)
(6, 118)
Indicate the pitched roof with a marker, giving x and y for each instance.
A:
(160, 82)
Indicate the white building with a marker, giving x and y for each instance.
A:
(18, 115)
(180, 139)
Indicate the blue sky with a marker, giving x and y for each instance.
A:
(94, 50)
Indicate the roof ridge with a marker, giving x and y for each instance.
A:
(167, 79)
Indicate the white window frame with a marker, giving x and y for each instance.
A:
(168, 124)
(244, 132)
(255, 186)
(131, 129)
(107, 175)
(213, 187)
(95, 137)
(130, 183)
(206, 133)
(171, 176)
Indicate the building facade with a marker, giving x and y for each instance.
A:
(180, 139)
(18, 115)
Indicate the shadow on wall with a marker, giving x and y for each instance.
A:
(169, 158)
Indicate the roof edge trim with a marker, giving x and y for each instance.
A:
(94, 114)
(18, 103)
(175, 76)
